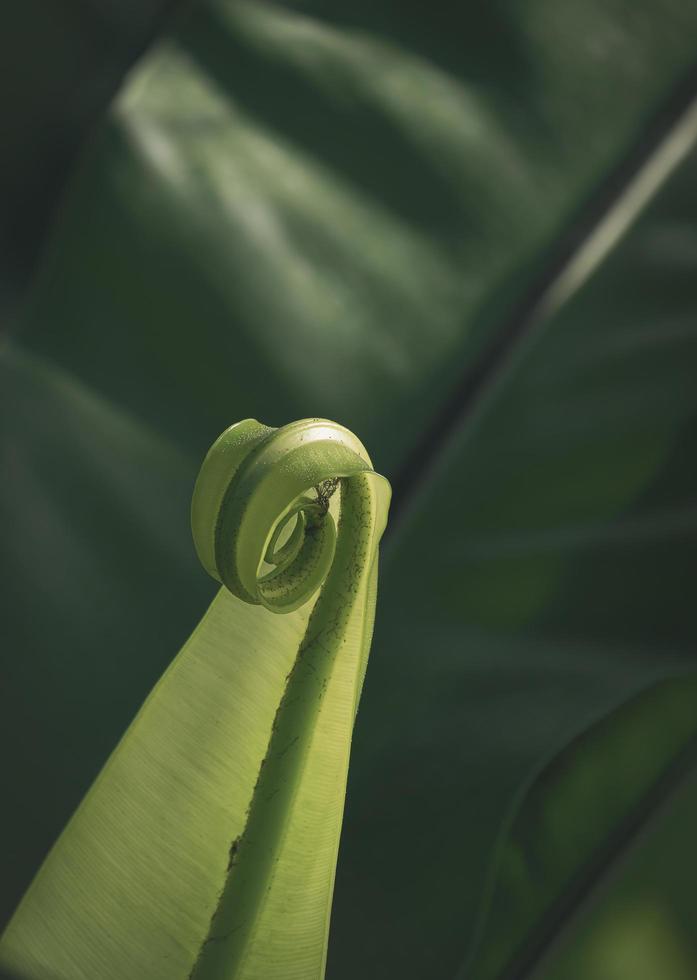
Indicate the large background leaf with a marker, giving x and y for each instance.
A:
(381, 214)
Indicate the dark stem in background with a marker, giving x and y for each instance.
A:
(477, 379)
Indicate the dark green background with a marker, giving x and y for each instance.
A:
(406, 218)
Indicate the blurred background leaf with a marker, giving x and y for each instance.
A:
(428, 224)
(643, 924)
(579, 818)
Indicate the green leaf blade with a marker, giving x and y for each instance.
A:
(206, 848)
(167, 806)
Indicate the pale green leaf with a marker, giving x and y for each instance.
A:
(207, 845)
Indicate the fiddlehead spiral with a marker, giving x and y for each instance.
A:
(254, 483)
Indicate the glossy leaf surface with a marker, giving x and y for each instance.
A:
(293, 212)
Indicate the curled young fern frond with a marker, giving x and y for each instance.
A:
(206, 848)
